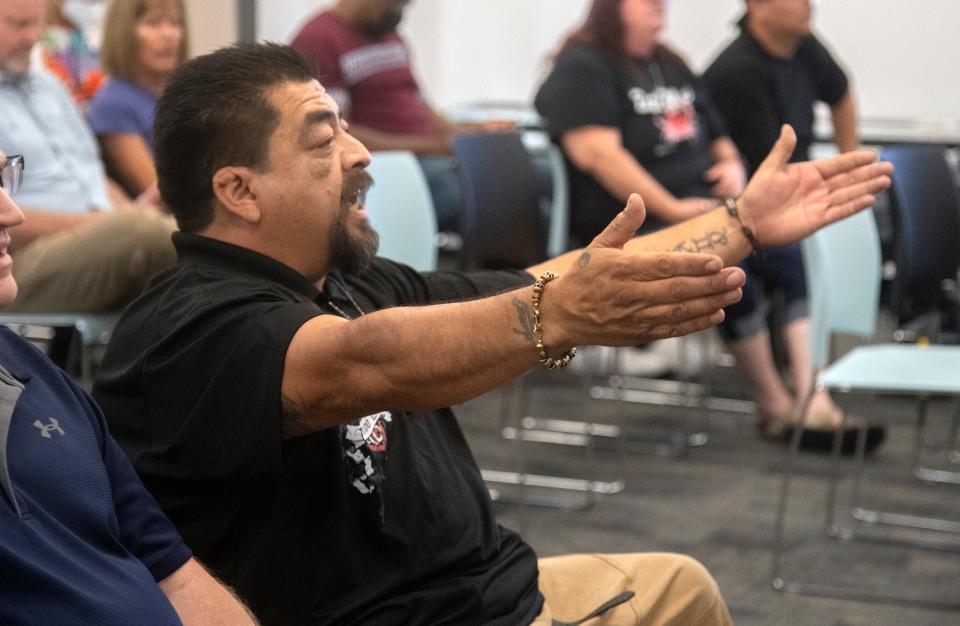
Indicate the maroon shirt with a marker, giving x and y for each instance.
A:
(369, 78)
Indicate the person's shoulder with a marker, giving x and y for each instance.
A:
(582, 60)
(116, 94)
(582, 55)
(737, 68)
(739, 56)
(810, 45)
(672, 60)
(381, 270)
(320, 29)
(43, 80)
(813, 52)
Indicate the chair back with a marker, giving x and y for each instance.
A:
(842, 264)
(926, 211)
(92, 329)
(502, 225)
(558, 238)
(401, 210)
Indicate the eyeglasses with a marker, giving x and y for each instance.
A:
(11, 174)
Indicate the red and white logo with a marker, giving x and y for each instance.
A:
(678, 124)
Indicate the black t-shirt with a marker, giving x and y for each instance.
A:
(383, 521)
(757, 93)
(662, 110)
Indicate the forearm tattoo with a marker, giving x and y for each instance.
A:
(294, 419)
(711, 240)
(584, 260)
(524, 319)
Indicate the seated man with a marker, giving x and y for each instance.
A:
(772, 74)
(74, 254)
(282, 393)
(82, 540)
(365, 65)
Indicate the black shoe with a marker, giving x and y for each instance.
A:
(820, 440)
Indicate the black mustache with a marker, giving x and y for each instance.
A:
(356, 183)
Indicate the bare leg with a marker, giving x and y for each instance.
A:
(823, 413)
(755, 363)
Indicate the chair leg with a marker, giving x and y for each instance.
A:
(934, 475)
(780, 583)
(521, 428)
(830, 526)
(954, 442)
(793, 451)
(888, 518)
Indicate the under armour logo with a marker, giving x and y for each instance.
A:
(46, 428)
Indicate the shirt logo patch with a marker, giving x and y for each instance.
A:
(364, 442)
(672, 111)
(677, 125)
(45, 429)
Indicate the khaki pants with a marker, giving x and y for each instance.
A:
(98, 267)
(670, 589)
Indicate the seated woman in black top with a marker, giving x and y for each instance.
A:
(630, 116)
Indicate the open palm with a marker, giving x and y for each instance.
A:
(785, 202)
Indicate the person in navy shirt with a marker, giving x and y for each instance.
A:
(81, 540)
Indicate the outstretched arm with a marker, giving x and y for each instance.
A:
(617, 291)
(416, 358)
(783, 203)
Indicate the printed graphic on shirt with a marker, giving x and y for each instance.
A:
(364, 445)
(364, 62)
(672, 111)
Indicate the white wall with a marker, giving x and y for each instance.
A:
(213, 23)
(901, 54)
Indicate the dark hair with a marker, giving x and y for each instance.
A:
(213, 113)
(603, 30)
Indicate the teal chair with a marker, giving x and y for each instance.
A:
(401, 210)
(559, 212)
(843, 265)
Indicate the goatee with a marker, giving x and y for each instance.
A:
(352, 249)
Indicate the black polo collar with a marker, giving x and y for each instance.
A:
(192, 247)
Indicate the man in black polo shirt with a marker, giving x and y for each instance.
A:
(772, 74)
(288, 413)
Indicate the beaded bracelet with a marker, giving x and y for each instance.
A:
(732, 210)
(545, 359)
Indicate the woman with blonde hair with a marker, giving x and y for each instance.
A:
(144, 41)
